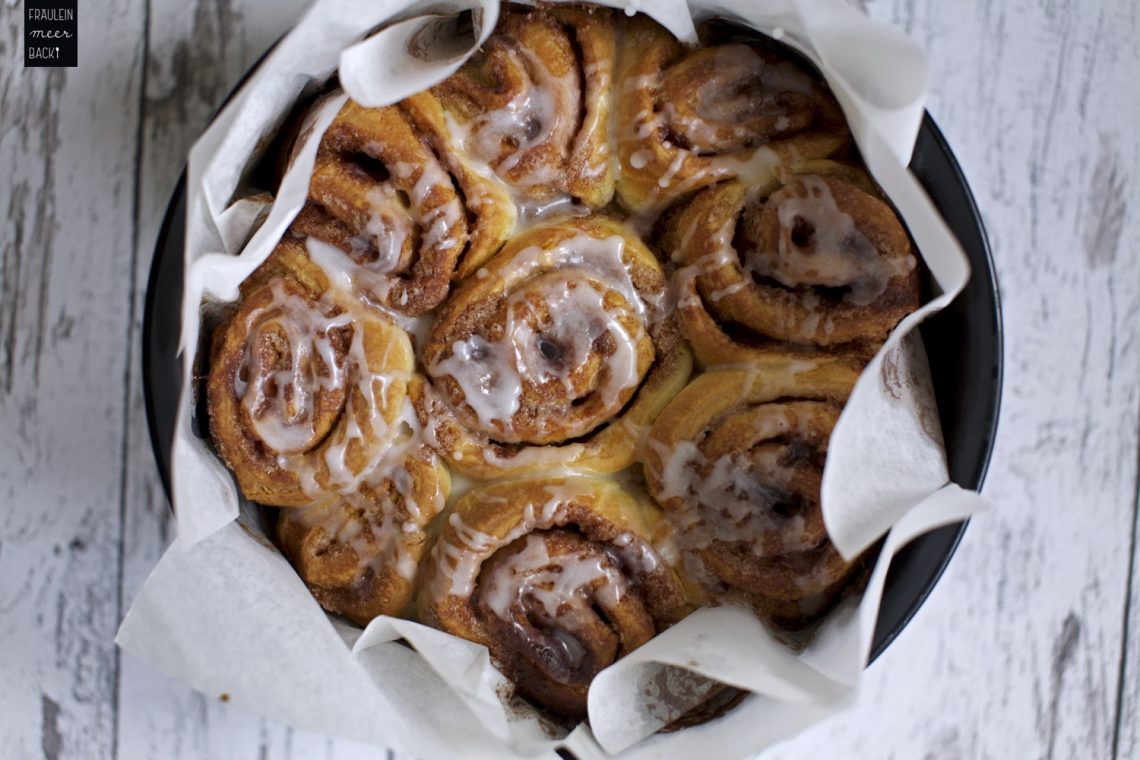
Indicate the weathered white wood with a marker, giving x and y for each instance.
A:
(196, 53)
(67, 148)
(1127, 739)
(1020, 653)
(1017, 654)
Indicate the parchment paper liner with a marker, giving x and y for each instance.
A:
(226, 613)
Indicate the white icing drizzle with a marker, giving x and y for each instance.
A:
(601, 257)
(458, 565)
(731, 499)
(283, 420)
(757, 168)
(388, 227)
(563, 206)
(642, 81)
(378, 535)
(685, 288)
(562, 585)
(665, 547)
(437, 221)
(741, 64)
(728, 290)
(371, 287)
(675, 165)
(597, 169)
(719, 107)
(389, 231)
(636, 555)
(579, 317)
(489, 375)
(391, 447)
(814, 315)
(544, 460)
(502, 137)
(417, 328)
(571, 280)
(836, 253)
(639, 159)
(720, 254)
(745, 86)
(280, 404)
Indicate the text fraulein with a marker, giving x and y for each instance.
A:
(51, 14)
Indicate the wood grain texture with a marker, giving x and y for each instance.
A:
(196, 52)
(1029, 647)
(1126, 741)
(67, 193)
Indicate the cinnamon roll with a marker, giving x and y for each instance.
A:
(556, 354)
(689, 118)
(558, 578)
(359, 554)
(394, 218)
(305, 393)
(815, 258)
(735, 461)
(532, 105)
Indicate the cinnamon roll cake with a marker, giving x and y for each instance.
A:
(552, 354)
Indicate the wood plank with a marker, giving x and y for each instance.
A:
(1017, 653)
(1126, 739)
(197, 52)
(67, 190)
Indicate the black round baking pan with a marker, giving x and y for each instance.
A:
(964, 344)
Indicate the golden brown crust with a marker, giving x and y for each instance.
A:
(690, 118)
(305, 399)
(524, 568)
(814, 260)
(491, 210)
(404, 217)
(359, 554)
(736, 460)
(290, 383)
(556, 354)
(533, 103)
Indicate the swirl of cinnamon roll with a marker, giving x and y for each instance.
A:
(736, 461)
(815, 259)
(558, 578)
(555, 354)
(359, 554)
(397, 218)
(306, 393)
(533, 104)
(690, 118)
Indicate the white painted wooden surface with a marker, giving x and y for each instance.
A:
(1029, 647)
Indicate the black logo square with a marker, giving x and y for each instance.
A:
(51, 33)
